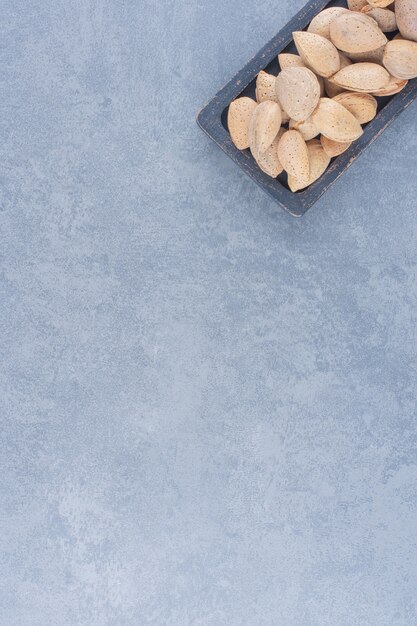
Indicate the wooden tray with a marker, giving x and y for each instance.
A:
(213, 118)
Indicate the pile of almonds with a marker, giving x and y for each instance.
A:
(316, 106)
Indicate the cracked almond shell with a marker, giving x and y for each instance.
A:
(336, 122)
(364, 77)
(406, 12)
(362, 105)
(298, 90)
(293, 154)
(318, 53)
(356, 5)
(238, 118)
(400, 58)
(319, 162)
(356, 32)
(330, 88)
(264, 125)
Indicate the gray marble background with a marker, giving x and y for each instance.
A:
(208, 408)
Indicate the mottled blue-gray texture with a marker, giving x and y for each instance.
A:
(208, 407)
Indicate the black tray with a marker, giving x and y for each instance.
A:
(213, 118)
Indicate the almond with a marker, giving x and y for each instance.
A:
(317, 52)
(269, 161)
(321, 23)
(238, 117)
(319, 162)
(307, 129)
(289, 60)
(298, 90)
(356, 5)
(334, 148)
(265, 87)
(406, 12)
(364, 77)
(356, 32)
(330, 88)
(293, 154)
(383, 17)
(336, 122)
(264, 125)
(400, 58)
(374, 56)
(394, 86)
(362, 105)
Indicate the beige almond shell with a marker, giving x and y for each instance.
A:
(380, 3)
(356, 5)
(363, 77)
(264, 125)
(334, 148)
(394, 86)
(318, 53)
(356, 32)
(269, 161)
(265, 87)
(362, 105)
(385, 18)
(298, 90)
(336, 122)
(406, 12)
(320, 25)
(307, 129)
(374, 56)
(239, 114)
(330, 88)
(319, 162)
(285, 60)
(400, 58)
(293, 154)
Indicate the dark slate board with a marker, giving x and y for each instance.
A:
(213, 118)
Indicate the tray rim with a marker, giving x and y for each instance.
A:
(209, 118)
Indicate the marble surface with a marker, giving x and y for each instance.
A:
(208, 408)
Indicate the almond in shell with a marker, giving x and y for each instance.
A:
(400, 58)
(394, 86)
(318, 53)
(298, 90)
(356, 32)
(336, 122)
(334, 148)
(265, 87)
(269, 161)
(264, 125)
(385, 18)
(319, 162)
(362, 105)
(307, 129)
(363, 77)
(285, 59)
(293, 154)
(238, 118)
(320, 25)
(406, 12)
(356, 5)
